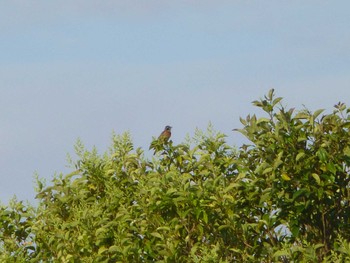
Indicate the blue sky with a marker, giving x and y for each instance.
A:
(82, 69)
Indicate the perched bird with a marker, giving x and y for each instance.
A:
(158, 144)
(166, 134)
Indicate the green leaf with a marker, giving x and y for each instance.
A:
(277, 100)
(316, 177)
(67, 235)
(285, 177)
(316, 113)
(155, 234)
(101, 250)
(302, 115)
(347, 151)
(110, 172)
(281, 253)
(331, 167)
(113, 249)
(265, 197)
(267, 170)
(243, 121)
(205, 217)
(261, 120)
(299, 156)
(257, 103)
(322, 155)
(298, 193)
(270, 94)
(224, 227)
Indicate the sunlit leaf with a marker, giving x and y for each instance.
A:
(102, 250)
(285, 177)
(316, 177)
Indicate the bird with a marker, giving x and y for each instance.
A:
(166, 134)
(158, 144)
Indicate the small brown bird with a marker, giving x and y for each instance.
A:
(158, 145)
(166, 134)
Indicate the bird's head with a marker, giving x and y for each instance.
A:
(167, 128)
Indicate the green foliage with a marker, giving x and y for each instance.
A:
(16, 238)
(283, 198)
(298, 167)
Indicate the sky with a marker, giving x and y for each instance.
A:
(83, 69)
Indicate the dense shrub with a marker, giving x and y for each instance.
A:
(283, 198)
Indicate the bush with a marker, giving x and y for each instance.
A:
(283, 198)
